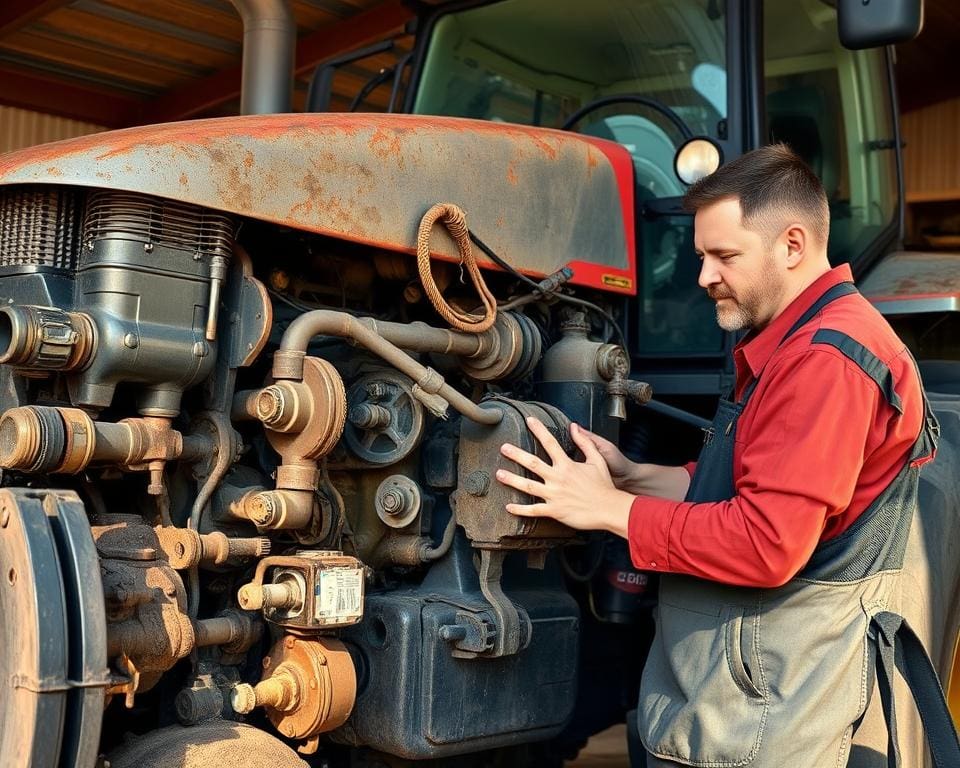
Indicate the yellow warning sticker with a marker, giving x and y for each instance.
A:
(617, 281)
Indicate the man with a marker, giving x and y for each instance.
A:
(781, 549)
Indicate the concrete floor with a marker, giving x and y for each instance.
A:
(605, 750)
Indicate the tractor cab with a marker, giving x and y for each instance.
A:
(651, 76)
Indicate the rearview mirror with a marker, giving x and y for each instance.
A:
(872, 23)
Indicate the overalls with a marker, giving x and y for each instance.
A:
(778, 678)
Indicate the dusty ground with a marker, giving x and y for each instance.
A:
(605, 750)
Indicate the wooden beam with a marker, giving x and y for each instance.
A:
(18, 13)
(377, 23)
(28, 89)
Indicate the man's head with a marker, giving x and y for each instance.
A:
(761, 230)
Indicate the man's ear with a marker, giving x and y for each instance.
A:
(795, 238)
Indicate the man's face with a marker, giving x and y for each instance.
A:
(739, 270)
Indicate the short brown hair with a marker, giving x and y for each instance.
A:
(773, 185)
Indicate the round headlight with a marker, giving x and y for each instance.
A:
(696, 159)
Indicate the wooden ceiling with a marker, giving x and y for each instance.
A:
(130, 62)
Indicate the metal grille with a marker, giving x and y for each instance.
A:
(157, 222)
(39, 227)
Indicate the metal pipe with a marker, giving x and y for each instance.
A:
(329, 323)
(269, 40)
(420, 337)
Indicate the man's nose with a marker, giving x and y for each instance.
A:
(708, 273)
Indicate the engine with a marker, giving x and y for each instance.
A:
(281, 463)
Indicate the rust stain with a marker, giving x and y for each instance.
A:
(386, 145)
(54, 171)
(512, 174)
(248, 160)
(184, 180)
(500, 221)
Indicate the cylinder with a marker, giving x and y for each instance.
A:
(44, 338)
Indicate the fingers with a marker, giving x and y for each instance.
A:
(527, 510)
(601, 442)
(587, 445)
(522, 484)
(548, 441)
(526, 460)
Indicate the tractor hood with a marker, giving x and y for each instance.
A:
(539, 198)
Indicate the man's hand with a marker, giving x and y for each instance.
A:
(640, 479)
(579, 494)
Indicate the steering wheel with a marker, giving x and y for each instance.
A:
(630, 98)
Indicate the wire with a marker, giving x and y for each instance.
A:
(607, 317)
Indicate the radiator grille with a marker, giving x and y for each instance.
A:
(39, 227)
(158, 222)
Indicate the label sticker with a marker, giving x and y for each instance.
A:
(340, 595)
(617, 281)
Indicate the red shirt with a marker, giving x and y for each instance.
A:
(816, 443)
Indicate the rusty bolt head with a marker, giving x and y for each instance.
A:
(270, 404)
(288, 643)
(392, 502)
(477, 483)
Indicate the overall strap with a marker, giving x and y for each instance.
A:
(898, 647)
(831, 295)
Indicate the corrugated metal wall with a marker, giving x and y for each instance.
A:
(23, 128)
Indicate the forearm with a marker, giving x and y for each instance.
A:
(656, 480)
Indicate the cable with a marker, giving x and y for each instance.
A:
(607, 317)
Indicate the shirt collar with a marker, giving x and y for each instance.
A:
(755, 349)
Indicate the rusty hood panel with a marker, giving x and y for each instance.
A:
(914, 282)
(541, 199)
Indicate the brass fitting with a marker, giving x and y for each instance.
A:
(297, 708)
(280, 509)
(184, 547)
(284, 595)
(36, 438)
(41, 339)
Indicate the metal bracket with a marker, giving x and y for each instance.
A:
(513, 626)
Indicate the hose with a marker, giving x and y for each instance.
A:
(456, 223)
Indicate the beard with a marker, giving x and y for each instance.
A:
(752, 305)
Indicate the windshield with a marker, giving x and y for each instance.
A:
(537, 62)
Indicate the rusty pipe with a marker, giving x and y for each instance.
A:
(289, 358)
(269, 40)
(281, 509)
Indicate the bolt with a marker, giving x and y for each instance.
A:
(270, 404)
(288, 643)
(477, 483)
(148, 247)
(131, 341)
(392, 502)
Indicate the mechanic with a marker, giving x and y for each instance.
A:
(781, 547)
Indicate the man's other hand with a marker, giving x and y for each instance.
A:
(580, 494)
